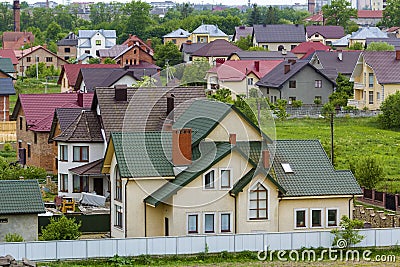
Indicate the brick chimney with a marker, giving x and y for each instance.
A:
(121, 93)
(266, 159)
(232, 139)
(257, 65)
(286, 68)
(80, 99)
(182, 146)
(188, 42)
(397, 54)
(17, 16)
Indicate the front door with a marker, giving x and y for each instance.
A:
(98, 185)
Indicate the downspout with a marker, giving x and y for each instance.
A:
(145, 220)
(235, 207)
(125, 210)
(352, 198)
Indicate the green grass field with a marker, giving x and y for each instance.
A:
(353, 139)
(33, 86)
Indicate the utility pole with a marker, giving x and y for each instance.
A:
(332, 153)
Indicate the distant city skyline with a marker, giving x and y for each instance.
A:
(215, 2)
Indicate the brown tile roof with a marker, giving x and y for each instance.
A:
(92, 168)
(9, 53)
(15, 40)
(329, 32)
(305, 47)
(215, 48)
(384, 64)
(85, 128)
(242, 31)
(145, 109)
(132, 39)
(330, 60)
(64, 117)
(370, 14)
(264, 55)
(192, 47)
(72, 71)
(113, 51)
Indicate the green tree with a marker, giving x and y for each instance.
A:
(61, 229)
(195, 73)
(109, 61)
(380, 46)
(390, 108)
(348, 235)
(368, 171)
(185, 9)
(356, 46)
(280, 109)
(94, 60)
(244, 43)
(391, 14)
(343, 84)
(6, 15)
(11, 171)
(339, 13)
(168, 52)
(138, 17)
(53, 30)
(272, 16)
(43, 70)
(254, 16)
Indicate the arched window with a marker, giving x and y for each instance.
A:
(281, 47)
(118, 184)
(258, 206)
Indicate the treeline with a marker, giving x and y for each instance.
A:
(50, 25)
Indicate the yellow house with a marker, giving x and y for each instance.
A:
(375, 77)
(217, 173)
(178, 37)
(207, 33)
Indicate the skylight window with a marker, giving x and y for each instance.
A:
(286, 167)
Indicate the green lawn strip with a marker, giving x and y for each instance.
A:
(244, 258)
(353, 139)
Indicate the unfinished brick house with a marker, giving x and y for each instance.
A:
(33, 114)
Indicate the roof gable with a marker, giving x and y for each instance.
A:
(384, 64)
(209, 29)
(331, 60)
(179, 33)
(6, 65)
(71, 71)
(368, 32)
(328, 32)
(7, 86)
(218, 47)
(20, 197)
(305, 47)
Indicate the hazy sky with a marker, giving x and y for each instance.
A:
(224, 2)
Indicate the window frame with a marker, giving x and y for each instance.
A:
(327, 216)
(63, 185)
(49, 59)
(370, 97)
(292, 84)
(230, 178)
(230, 230)
(63, 148)
(214, 222)
(80, 154)
(371, 76)
(305, 218)
(321, 217)
(258, 218)
(81, 183)
(318, 84)
(204, 179)
(118, 185)
(67, 50)
(98, 42)
(250, 81)
(197, 223)
(29, 150)
(119, 216)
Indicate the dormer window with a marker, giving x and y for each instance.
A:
(286, 168)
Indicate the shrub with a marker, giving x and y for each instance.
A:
(13, 237)
(368, 171)
(317, 101)
(390, 117)
(348, 232)
(61, 229)
(297, 103)
(7, 147)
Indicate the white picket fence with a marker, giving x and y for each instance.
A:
(102, 248)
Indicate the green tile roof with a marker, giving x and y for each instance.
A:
(313, 173)
(211, 154)
(6, 65)
(202, 117)
(143, 154)
(20, 197)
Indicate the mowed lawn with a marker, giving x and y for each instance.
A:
(353, 139)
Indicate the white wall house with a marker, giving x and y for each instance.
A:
(91, 41)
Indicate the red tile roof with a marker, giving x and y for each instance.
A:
(369, 14)
(72, 71)
(393, 29)
(305, 47)
(39, 108)
(236, 70)
(9, 53)
(315, 18)
(15, 40)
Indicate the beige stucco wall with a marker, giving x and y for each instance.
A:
(287, 211)
(25, 225)
(178, 41)
(274, 46)
(233, 124)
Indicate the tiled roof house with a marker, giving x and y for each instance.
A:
(91, 41)
(224, 160)
(324, 34)
(218, 49)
